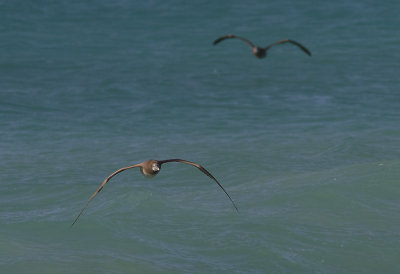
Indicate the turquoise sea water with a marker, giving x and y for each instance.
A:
(308, 147)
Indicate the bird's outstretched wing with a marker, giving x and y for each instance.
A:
(202, 169)
(101, 187)
(289, 41)
(233, 36)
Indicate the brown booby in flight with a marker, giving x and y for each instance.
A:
(150, 168)
(259, 51)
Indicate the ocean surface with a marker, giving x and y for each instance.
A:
(307, 147)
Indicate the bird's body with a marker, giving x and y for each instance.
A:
(151, 168)
(261, 52)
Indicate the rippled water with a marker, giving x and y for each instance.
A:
(308, 147)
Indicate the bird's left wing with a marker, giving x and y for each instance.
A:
(202, 169)
(292, 42)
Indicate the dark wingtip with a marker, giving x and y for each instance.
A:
(76, 219)
(237, 209)
(305, 49)
(222, 38)
(216, 41)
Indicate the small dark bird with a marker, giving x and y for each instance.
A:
(150, 168)
(262, 52)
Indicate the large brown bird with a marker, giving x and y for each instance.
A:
(259, 51)
(150, 168)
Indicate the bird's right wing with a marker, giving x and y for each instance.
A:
(233, 36)
(101, 187)
(202, 169)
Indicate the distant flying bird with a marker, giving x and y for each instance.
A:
(262, 52)
(150, 168)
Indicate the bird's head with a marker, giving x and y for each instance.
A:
(155, 167)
